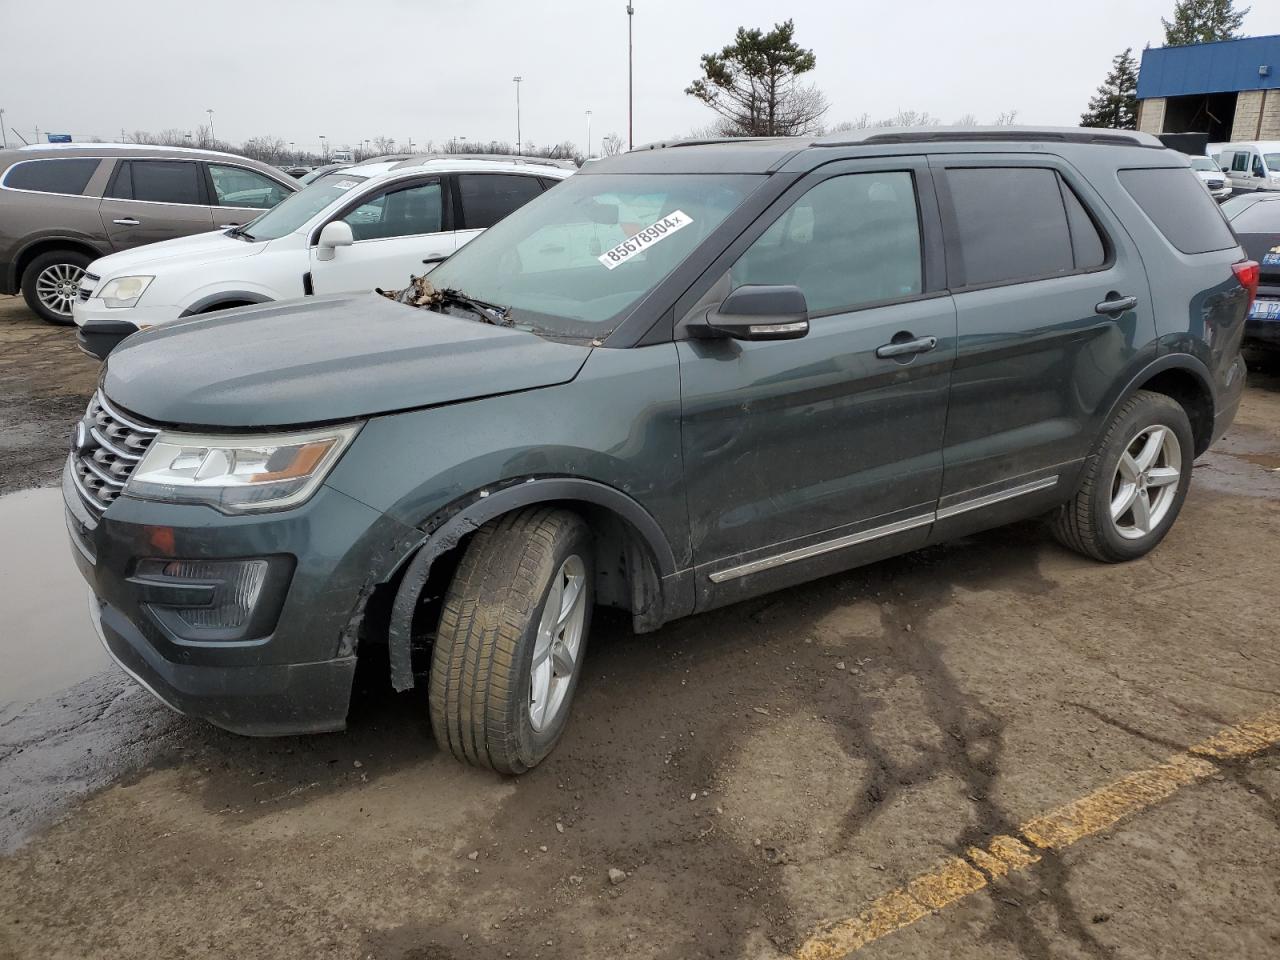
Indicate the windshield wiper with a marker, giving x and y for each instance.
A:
(240, 232)
(491, 312)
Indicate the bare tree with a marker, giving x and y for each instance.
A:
(1007, 118)
(968, 120)
(266, 149)
(910, 118)
(846, 126)
(752, 84)
(384, 145)
(611, 145)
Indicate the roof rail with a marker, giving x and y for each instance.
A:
(1000, 135)
(490, 157)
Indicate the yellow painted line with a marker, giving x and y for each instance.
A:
(956, 878)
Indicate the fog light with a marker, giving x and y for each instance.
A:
(232, 588)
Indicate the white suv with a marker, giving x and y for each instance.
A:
(372, 225)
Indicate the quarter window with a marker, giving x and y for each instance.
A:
(1174, 200)
(488, 197)
(159, 181)
(67, 175)
(247, 189)
(398, 213)
(1240, 163)
(850, 241)
(1011, 224)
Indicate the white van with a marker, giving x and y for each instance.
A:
(1251, 165)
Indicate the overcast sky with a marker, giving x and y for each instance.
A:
(434, 69)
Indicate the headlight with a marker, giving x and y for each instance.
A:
(123, 291)
(238, 474)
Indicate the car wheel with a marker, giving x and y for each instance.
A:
(513, 631)
(1134, 484)
(50, 284)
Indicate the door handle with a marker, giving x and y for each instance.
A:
(906, 348)
(1115, 304)
(438, 258)
(126, 222)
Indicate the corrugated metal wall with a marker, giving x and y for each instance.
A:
(1228, 65)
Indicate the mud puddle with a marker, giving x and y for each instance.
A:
(46, 641)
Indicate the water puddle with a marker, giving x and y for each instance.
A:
(46, 641)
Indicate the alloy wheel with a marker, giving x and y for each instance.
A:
(57, 287)
(558, 644)
(1145, 485)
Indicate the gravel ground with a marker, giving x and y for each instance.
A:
(752, 773)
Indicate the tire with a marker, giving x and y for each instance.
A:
(482, 686)
(1089, 524)
(43, 277)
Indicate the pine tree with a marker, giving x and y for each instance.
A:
(1115, 105)
(1200, 21)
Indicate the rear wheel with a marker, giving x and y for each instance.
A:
(1134, 484)
(512, 635)
(51, 282)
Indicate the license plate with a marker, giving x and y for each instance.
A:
(1265, 308)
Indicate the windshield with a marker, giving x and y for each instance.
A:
(291, 213)
(1205, 163)
(572, 262)
(1273, 161)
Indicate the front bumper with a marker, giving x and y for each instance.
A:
(294, 679)
(100, 328)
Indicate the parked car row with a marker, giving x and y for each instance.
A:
(686, 376)
(62, 207)
(1252, 165)
(369, 225)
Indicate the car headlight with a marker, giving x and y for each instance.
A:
(123, 291)
(238, 474)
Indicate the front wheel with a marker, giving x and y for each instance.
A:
(513, 631)
(1134, 484)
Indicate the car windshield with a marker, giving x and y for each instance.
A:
(294, 211)
(573, 262)
(1204, 163)
(1273, 161)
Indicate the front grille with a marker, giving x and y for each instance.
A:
(105, 447)
(88, 281)
(1217, 184)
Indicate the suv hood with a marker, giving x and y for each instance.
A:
(202, 248)
(323, 359)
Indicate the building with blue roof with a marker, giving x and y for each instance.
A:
(1229, 89)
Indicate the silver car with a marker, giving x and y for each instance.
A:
(63, 206)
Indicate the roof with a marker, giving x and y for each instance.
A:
(130, 147)
(454, 163)
(767, 154)
(1224, 66)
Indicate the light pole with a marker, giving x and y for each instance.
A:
(324, 151)
(4, 137)
(588, 134)
(293, 154)
(631, 97)
(519, 146)
(213, 137)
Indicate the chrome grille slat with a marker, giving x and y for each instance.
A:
(111, 446)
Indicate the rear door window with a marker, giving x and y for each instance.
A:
(1180, 207)
(488, 197)
(65, 175)
(1011, 224)
(159, 181)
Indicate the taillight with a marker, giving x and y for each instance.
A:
(1248, 273)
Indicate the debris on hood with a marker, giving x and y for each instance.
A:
(419, 293)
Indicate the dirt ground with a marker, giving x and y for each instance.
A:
(756, 772)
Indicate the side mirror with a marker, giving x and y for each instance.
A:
(334, 235)
(762, 312)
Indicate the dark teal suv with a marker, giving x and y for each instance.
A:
(685, 376)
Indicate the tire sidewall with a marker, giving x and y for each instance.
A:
(1153, 410)
(38, 266)
(531, 745)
